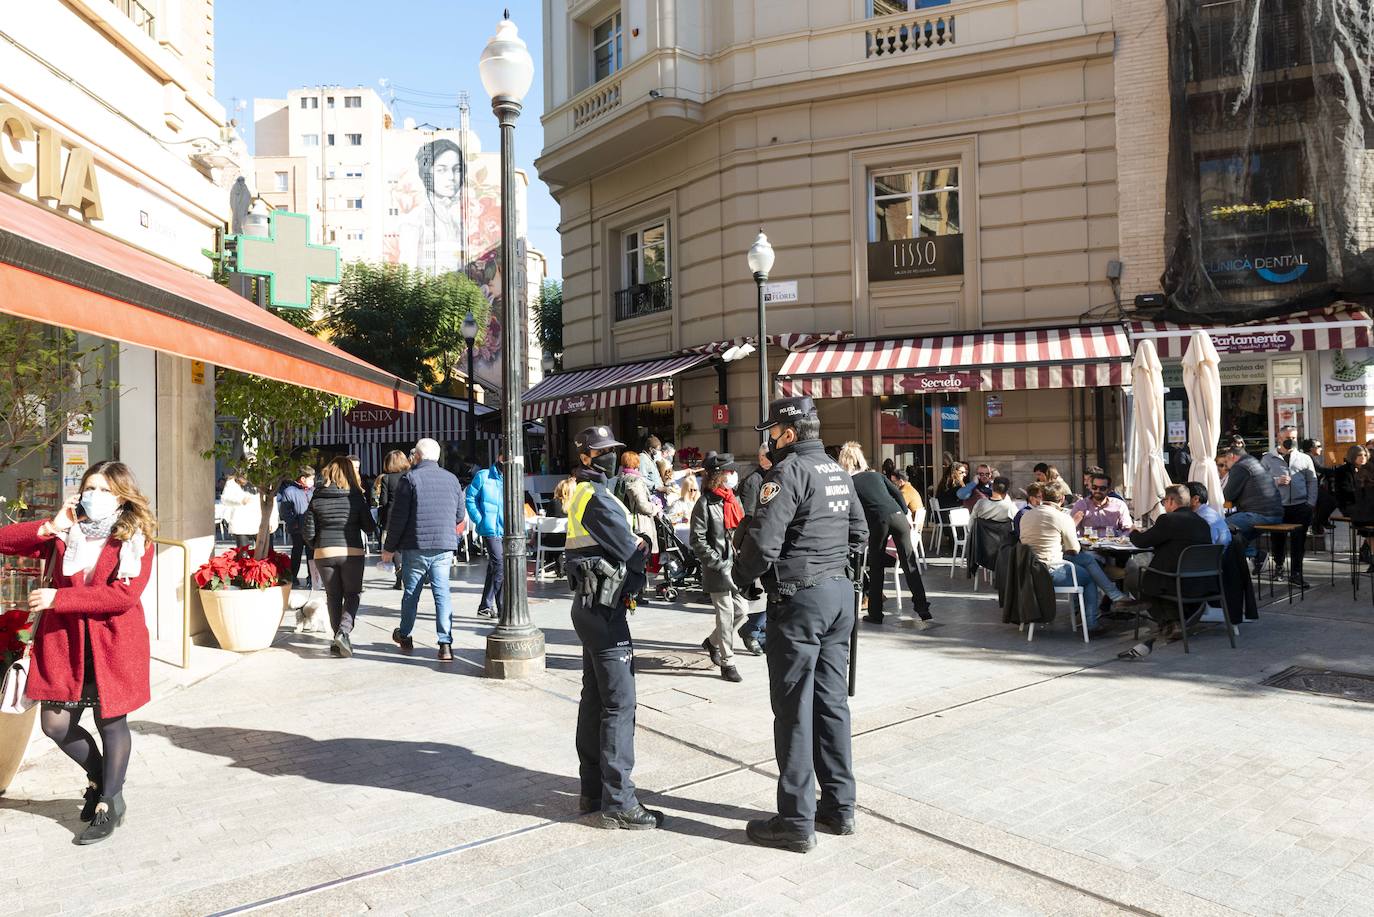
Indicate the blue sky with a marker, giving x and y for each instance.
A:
(263, 49)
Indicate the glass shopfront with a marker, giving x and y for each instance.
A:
(916, 431)
(1258, 396)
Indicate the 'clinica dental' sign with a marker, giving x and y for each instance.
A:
(1247, 263)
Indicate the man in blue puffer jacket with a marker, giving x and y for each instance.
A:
(422, 523)
(486, 509)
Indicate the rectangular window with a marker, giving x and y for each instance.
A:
(310, 140)
(310, 102)
(887, 7)
(353, 101)
(329, 102)
(353, 173)
(355, 236)
(353, 203)
(282, 181)
(354, 139)
(646, 254)
(329, 139)
(606, 48)
(915, 203)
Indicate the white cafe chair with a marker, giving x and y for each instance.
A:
(1075, 593)
(957, 521)
(546, 525)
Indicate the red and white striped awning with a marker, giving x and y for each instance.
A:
(1340, 327)
(607, 386)
(791, 342)
(1074, 357)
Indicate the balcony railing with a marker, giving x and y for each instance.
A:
(644, 299)
(138, 14)
(596, 104)
(908, 36)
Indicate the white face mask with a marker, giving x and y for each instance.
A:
(732, 480)
(99, 505)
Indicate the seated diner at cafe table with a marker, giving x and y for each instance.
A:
(1099, 511)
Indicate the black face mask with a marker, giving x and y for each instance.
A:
(605, 463)
(1287, 444)
(774, 451)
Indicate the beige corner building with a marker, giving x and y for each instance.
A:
(946, 178)
(968, 194)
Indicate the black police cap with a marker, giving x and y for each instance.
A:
(718, 460)
(596, 438)
(789, 411)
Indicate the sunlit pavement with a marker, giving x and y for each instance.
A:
(996, 776)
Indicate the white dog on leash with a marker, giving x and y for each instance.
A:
(312, 617)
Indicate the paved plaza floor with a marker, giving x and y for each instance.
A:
(996, 776)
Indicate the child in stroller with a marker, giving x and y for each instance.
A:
(676, 564)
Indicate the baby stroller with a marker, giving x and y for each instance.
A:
(676, 564)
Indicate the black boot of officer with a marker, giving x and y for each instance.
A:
(599, 529)
(799, 540)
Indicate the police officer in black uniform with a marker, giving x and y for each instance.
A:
(808, 523)
(605, 563)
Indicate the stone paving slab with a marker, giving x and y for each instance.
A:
(996, 776)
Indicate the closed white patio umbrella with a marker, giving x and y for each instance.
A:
(1148, 478)
(1202, 381)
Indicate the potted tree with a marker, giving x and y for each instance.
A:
(239, 588)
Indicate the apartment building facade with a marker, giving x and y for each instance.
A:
(384, 191)
(941, 177)
(968, 195)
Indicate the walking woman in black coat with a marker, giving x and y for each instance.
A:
(885, 511)
(394, 467)
(336, 526)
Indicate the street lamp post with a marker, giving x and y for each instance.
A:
(470, 335)
(761, 262)
(516, 648)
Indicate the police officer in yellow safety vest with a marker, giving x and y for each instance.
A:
(605, 562)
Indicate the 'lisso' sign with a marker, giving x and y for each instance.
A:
(909, 259)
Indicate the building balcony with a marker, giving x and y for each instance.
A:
(138, 14)
(644, 299)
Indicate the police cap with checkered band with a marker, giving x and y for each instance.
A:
(788, 411)
(599, 437)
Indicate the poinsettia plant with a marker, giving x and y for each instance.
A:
(237, 568)
(16, 633)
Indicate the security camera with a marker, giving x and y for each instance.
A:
(655, 94)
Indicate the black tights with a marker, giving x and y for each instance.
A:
(107, 770)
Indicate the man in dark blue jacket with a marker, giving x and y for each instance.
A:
(422, 525)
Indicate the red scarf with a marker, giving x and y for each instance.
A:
(734, 510)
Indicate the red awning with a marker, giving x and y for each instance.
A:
(1340, 327)
(1074, 357)
(607, 386)
(61, 272)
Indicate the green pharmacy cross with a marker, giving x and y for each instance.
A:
(288, 259)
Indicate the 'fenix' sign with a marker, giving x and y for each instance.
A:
(72, 188)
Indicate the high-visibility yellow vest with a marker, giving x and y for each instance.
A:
(579, 539)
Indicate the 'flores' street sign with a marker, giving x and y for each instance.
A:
(287, 259)
(910, 259)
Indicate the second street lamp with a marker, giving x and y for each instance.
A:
(470, 335)
(761, 262)
(516, 648)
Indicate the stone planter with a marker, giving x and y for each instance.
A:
(15, 733)
(245, 620)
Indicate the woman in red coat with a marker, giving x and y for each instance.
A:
(91, 647)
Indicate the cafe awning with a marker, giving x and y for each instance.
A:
(59, 271)
(1077, 356)
(607, 386)
(1339, 327)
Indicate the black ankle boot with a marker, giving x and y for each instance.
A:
(109, 814)
(93, 792)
